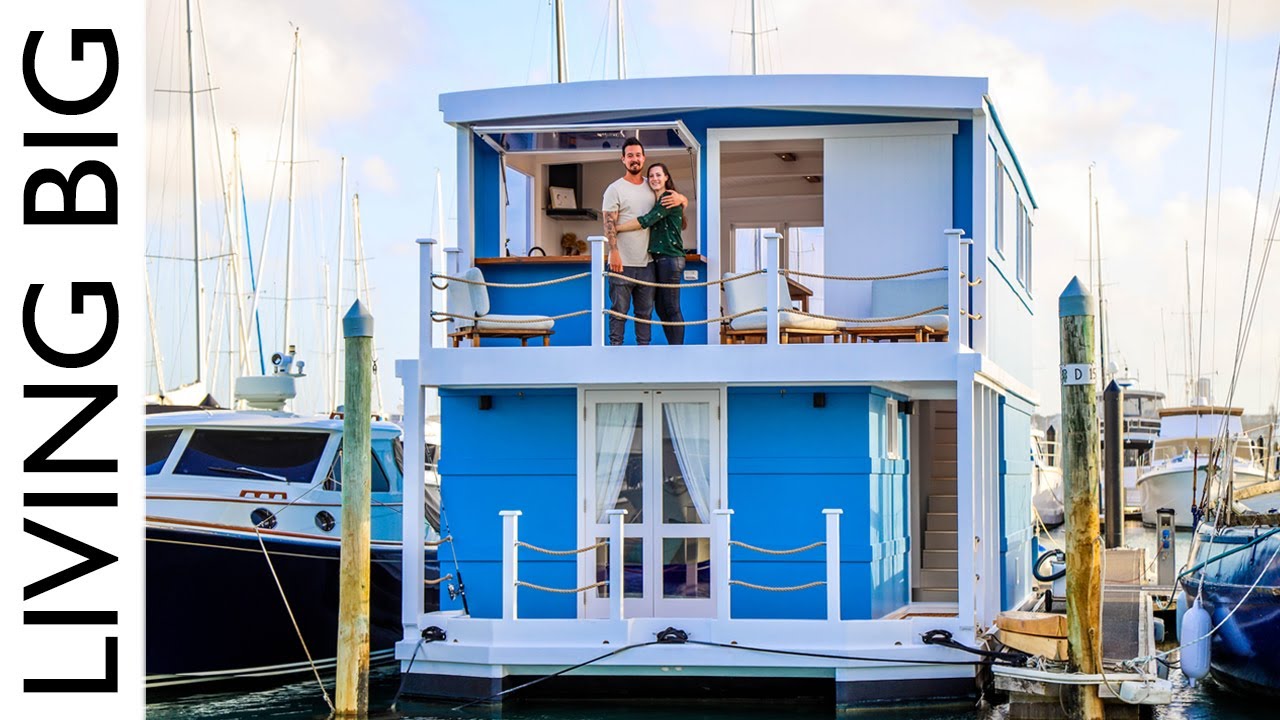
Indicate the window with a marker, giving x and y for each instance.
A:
(892, 438)
(805, 252)
(1009, 206)
(159, 444)
(385, 462)
(253, 454)
(1024, 247)
(997, 214)
(518, 187)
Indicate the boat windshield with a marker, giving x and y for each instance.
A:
(386, 467)
(159, 445)
(253, 454)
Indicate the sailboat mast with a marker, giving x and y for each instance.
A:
(293, 138)
(562, 61)
(754, 31)
(622, 42)
(337, 295)
(1102, 306)
(195, 199)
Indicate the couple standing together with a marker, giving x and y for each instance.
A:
(643, 220)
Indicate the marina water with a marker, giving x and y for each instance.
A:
(302, 700)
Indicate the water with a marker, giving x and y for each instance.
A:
(303, 701)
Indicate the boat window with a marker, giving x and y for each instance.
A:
(159, 444)
(384, 463)
(253, 455)
(585, 137)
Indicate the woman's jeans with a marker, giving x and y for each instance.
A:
(669, 270)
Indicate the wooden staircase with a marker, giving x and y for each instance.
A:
(937, 577)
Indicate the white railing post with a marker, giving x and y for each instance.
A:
(957, 286)
(452, 268)
(617, 590)
(510, 573)
(720, 561)
(412, 529)
(833, 562)
(772, 283)
(426, 294)
(599, 251)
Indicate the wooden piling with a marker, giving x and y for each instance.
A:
(1112, 462)
(1080, 436)
(352, 692)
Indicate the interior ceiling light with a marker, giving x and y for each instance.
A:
(786, 156)
(813, 178)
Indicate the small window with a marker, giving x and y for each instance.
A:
(383, 461)
(997, 216)
(159, 445)
(253, 455)
(892, 437)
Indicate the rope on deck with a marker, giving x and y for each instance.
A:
(440, 316)
(767, 551)
(865, 278)
(836, 318)
(437, 581)
(577, 551)
(542, 283)
(770, 588)
(682, 323)
(648, 283)
(562, 591)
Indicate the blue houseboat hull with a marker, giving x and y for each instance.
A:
(215, 614)
(1243, 653)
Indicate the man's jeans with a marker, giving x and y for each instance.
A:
(622, 295)
(669, 270)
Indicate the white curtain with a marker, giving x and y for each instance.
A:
(615, 430)
(690, 426)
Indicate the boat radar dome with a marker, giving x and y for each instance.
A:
(266, 392)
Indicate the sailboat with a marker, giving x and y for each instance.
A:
(243, 530)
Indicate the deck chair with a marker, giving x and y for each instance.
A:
(747, 293)
(472, 301)
(891, 298)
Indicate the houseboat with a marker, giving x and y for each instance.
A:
(833, 465)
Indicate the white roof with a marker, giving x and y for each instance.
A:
(841, 93)
(250, 419)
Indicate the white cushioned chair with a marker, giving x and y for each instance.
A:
(894, 298)
(747, 293)
(472, 301)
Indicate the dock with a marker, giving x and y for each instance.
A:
(1128, 631)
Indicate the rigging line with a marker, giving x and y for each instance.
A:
(533, 47)
(1208, 173)
(602, 37)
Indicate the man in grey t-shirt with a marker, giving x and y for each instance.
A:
(627, 198)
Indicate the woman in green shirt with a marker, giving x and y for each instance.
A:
(666, 245)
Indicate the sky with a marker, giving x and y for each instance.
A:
(1129, 87)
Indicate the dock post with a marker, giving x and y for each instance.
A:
(720, 561)
(1080, 435)
(833, 562)
(772, 285)
(598, 253)
(352, 685)
(617, 589)
(1112, 452)
(510, 574)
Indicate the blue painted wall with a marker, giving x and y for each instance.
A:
(783, 472)
(1015, 501)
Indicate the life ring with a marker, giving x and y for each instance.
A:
(1040, 562)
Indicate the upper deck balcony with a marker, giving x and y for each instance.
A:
(845, 204)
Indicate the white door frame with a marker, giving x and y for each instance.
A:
(651, 529)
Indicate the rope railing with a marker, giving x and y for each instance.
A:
(562, 591)
(441, 316)
(486, 283)
(771, 588)
(864, 278)
(648, 283)
(682, 323)
(837, 318)
(767, 551)
(575, 551)
(438, 580)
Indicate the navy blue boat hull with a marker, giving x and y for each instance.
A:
(1243, 654)
(215, 614)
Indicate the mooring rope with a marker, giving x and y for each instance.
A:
(770, 588)
(767, 551)
(576, 551)
(542, 283)
(647, 283)
(562, 591)
(441, 316)
(682, 323)
(864, 278)
(837, 318)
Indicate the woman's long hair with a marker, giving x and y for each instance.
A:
(671, 185)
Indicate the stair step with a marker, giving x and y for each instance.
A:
(939, 559)
(940, 521)
(935, 595)
(940, 539)
(943, 469)
(942, 503)
(936, 578)
(939, 486)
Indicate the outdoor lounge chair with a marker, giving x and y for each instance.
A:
(472, 300)
(894, 298)
(747, 293)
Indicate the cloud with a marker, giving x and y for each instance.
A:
(378, 174)
(1249, 18)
